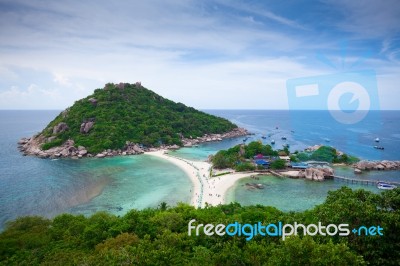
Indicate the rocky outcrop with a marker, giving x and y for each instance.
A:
(93, 101)
(32, 146)
(317, 174)
(357, 171)
(377, 165)
(86, 126)
(61, 127)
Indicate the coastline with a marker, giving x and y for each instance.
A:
(206, 189)
(32, 146)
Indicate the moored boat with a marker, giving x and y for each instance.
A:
(379, 147)
(385, 186)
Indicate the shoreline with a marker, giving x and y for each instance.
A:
(32, 146)
(206, 189)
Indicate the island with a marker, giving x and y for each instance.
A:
(125, 119)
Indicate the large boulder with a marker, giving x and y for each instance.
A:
(86, 127)
(61, 127)
(314, 174)
(93, 101)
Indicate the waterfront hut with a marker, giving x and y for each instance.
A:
(285, 158)
(299, 165)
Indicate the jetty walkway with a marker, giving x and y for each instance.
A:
(363, 181)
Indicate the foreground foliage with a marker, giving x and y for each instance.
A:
(130, 112)
(160, 236)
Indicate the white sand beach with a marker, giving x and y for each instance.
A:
(205, 189)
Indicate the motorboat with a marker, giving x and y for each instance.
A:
(263, 137)
(377, 140)
(385, 186)
(379, 147)
(273, 141)
(283, 138)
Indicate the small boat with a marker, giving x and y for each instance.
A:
(283, 138)
(385, 186)
(379, 147)
(245, 139)
(377, 140)
(286, 145)
(263, 137)
(276, 127)
(272, 141)
(327, 140)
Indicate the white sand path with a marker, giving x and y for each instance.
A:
(205, 189)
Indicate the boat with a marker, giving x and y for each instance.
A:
(283, 138)
(377, 140)
(273, 141)
(379, 147)
(286, 145)
(245, 139)
(385, 186)
(327, 140)
(263, 137)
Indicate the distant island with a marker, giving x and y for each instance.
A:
(124, 119)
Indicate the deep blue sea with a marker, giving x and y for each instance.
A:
(33, 186)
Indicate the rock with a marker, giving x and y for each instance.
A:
(100, 155)
(328, 171)
(137, 149)
(81, 148)
(23, 141)
(61, 127)
(377, 165)
(82, 152)
(173, 147)
(86, 127)
(93, 101)
(357, 171)
(314, 174)
(69, 142)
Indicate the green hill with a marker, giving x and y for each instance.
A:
(129, 112)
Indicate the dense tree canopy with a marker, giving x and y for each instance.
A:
(130, 112)
(236, 156)
(160, 236)
(326, 154)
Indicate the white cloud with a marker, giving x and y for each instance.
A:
(183, 50)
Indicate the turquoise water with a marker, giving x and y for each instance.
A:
(33, 186)
(287, 194)
(140, 182)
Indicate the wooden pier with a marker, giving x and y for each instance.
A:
(363, 181)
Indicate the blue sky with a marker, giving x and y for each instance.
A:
(206, 54)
